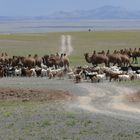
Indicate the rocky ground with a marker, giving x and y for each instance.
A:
(39, 108)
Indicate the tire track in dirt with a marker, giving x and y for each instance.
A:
(108, 99)
(66, 45)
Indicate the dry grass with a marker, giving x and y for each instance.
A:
(46, 43)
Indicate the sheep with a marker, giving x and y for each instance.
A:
(53, 72)
(33, 72)
(138, 71)
(89, 74)
(100, 77)
(38, 72)
(137, 76)
(50, 75)
(43, 72)
(113, 75)
(94, 79)
(1, 72)
(10, 71)
(124, 77)
(115, 69)
(43, 66)
(60, 74)
(130, 72)
(70, 75)
(78, 77)
(30, 72)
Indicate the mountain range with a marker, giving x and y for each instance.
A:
(105, 12)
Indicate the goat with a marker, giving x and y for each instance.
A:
(114, 76)
(18, 72)
(89, 74)
(124, 77)
(137, 76)
(43, 66)
(70, 75)
(60, 74)
(100, 77)
(43, 72)
(78, 77)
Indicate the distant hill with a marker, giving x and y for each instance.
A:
(8, 18)
(105, 12)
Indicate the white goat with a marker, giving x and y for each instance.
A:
(124, 77)
(70, 75)
(100, 77)
(18, 72)
(53, 72)
(43, 72)
(33, 72)
(137, 76)
(43, 66)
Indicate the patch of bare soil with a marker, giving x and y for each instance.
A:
(134, 98)
(34, 94)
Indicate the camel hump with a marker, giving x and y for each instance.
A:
(29, 55)
(52, 57)
(57, 57)
(2, 54)
(35, 56)
(100, 56)
(57, 54)
(108, 52)
(6, 54)
(61, 55)
(94, 52)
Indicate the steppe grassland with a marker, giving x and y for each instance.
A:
(47, 43)
(42, 120)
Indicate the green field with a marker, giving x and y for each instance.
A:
(46, 43)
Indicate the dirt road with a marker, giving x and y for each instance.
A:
(103, 98)
(112, 100)
(98, 111)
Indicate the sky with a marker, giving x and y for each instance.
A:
(45, 7)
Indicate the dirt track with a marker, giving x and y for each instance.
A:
(108, 110)
(113, 100)
(105, 98)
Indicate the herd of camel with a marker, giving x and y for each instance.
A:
(55, 60)
(121, 57)
(58, 65)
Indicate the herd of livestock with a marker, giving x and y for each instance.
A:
(117, 66)
(121, 57)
